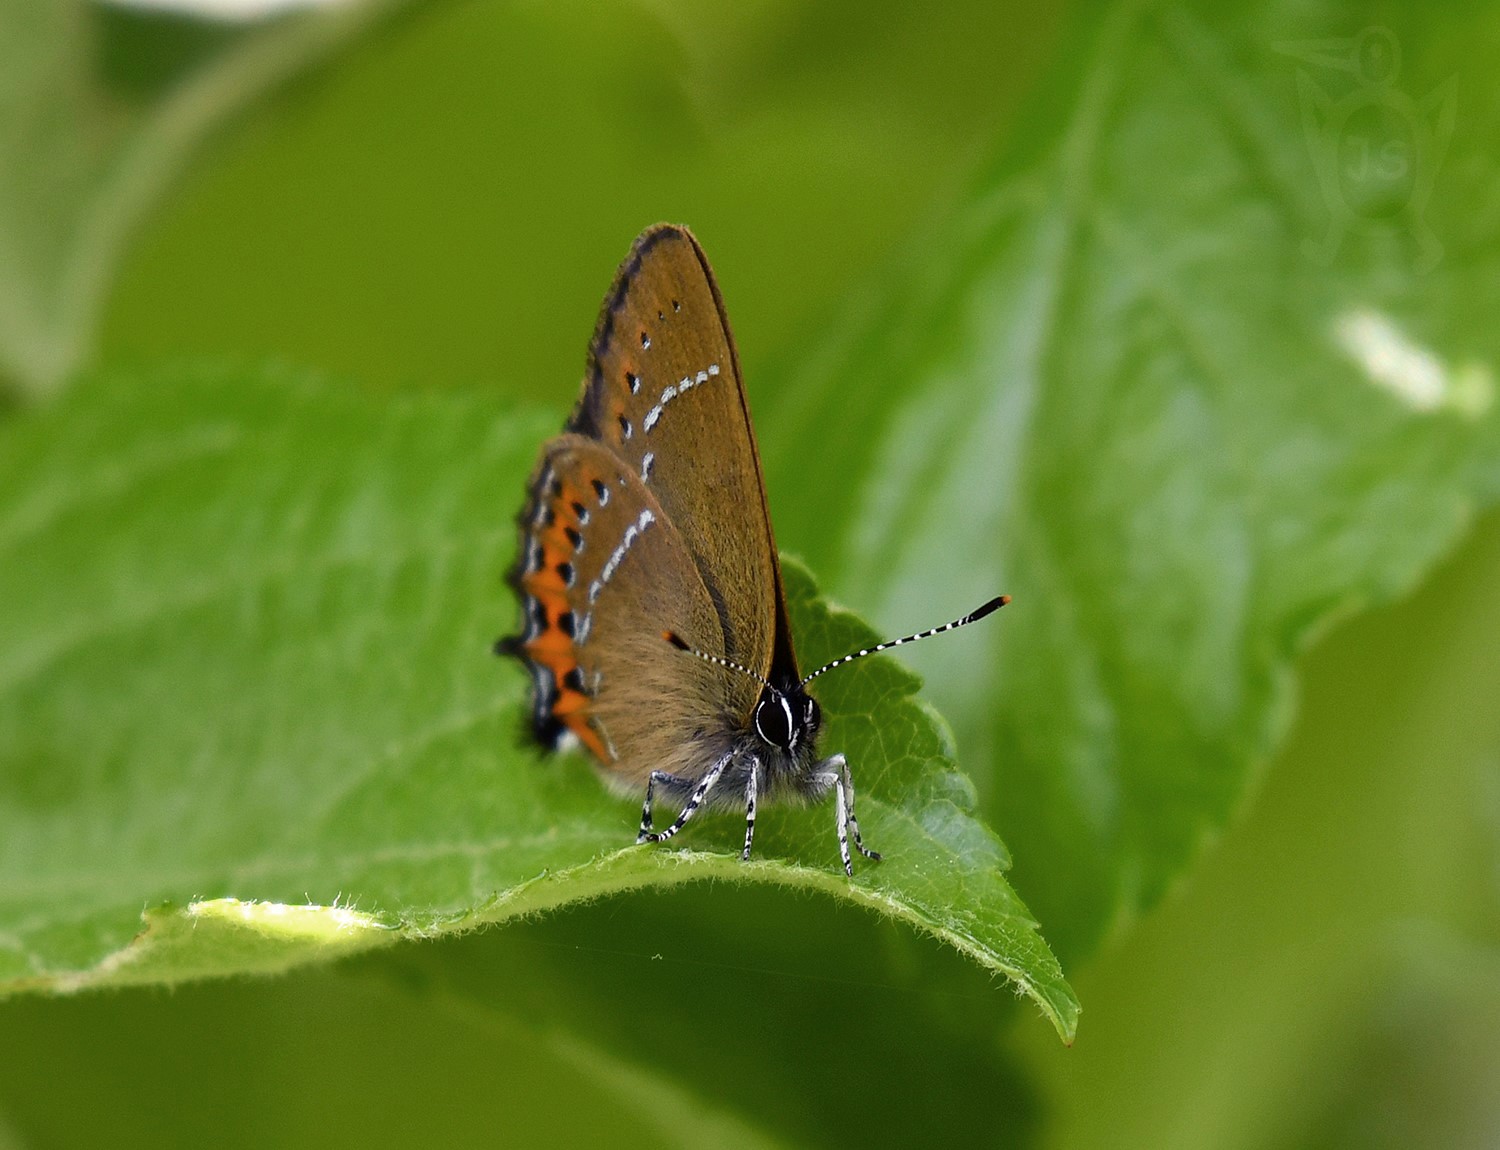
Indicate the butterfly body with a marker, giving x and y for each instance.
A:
(654, 624)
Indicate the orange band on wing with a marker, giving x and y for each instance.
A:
(553, 647)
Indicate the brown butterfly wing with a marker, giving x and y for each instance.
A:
(663, 391)
(603, 573)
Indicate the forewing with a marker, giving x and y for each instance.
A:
(664, 392)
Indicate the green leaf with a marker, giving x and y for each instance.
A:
(394, 179)
(271, 1063)
(1144, 378)
(99, 110)
(246, 629)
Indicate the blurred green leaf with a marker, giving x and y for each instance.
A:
(597, 1025)
(246, 627)
(1333, 963)
(733, 992)
(433, 208)
(1138, 379)
(100, 109)
(276, 1064)
(1415, 1068)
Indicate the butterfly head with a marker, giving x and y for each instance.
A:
(787, 719)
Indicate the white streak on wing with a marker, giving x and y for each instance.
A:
(609, 743)
(544, 481)
(672, 391)
(614, 559)
(618, 554)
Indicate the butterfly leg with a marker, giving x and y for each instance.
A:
(699, 794)
(750, 788)
(859, 841)
(842, 782)
(656, 777)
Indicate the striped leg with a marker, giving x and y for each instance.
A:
(665, 779)
(750, 789)
(699, 794)
(859, 841)
(843, 784)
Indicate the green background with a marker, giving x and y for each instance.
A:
(1024, 303)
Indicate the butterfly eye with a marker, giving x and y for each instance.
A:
(773, 722)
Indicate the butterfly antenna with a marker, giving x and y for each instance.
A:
(677, 641)
(972, 617)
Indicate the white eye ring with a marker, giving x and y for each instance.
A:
(791, 727)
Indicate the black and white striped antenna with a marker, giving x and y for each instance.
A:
(972, 617)
(719, 661)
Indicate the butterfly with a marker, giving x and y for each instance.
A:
(653, 618)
